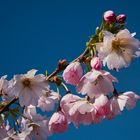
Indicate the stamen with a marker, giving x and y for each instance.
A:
(26, 82)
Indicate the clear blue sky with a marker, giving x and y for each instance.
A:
(37, 33)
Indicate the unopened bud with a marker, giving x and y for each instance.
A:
(109, 16)
(121, 18)
(96, 63)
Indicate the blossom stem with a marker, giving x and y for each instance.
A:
(57, 89)
(65, 87)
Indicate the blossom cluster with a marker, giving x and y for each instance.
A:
(26, 96)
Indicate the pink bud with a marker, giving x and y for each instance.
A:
(121, 18)
(58, 123)
(96, 63)
(109, 16)
(73, 73)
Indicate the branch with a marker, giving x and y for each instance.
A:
(6, 108)
(62, 64)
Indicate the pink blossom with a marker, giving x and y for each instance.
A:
(48, 100)
(39, 124)
(117, 50)
(132, 99)
(95, 83)
(109, 16)
(69, 98)
(80, 110)
(12, 135)
(29, 87)
(73, 73)
(117, 104)
(3, 85)
(6, 88)
(96, 63)
(58, 123)
(70, 104)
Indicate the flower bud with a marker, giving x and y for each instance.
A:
(121, 18)
(73, 73)
(96, 63)
(109, 16)
(58, 123)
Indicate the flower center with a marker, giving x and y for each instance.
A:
(99, 78)
(116, 43)
(118, 46)
(26, 82)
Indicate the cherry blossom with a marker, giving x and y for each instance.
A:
(29, 87)
(48, 100)
(132, 99)
(12, 135)
(81, 110)
(117, 104)
(58, 122)
(6, 88)
(117, 51)
(73, 73)
(39, 124)
(95, 83)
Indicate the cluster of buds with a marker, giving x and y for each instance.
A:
(110, 17)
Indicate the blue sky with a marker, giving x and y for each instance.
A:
(37, 33)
